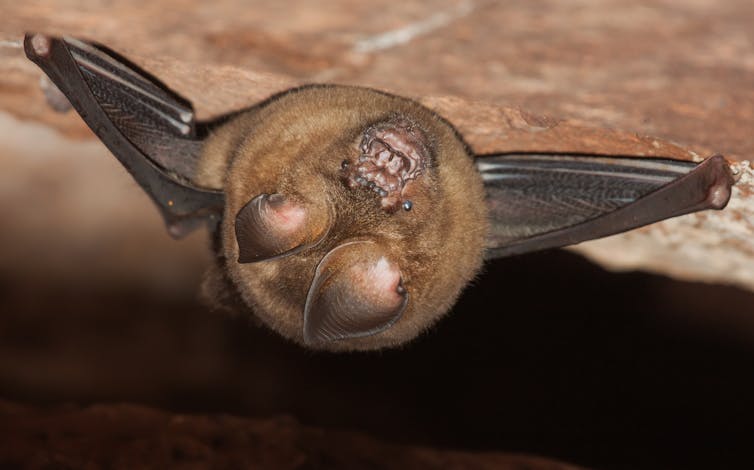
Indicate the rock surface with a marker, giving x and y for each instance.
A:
(518, 76)
(130, 436)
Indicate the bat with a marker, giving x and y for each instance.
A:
(346, 218)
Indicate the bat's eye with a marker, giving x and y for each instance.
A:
(270, 226)
(357, 291)
(407, 205)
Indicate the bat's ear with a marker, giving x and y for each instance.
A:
(270, 226)
(357, 291)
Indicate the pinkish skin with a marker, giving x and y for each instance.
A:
(285, 215)
(393, 154)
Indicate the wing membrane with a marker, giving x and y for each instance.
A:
(148, 127)
(156, 120)
(539, 201)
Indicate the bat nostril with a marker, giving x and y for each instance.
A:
(393, 153)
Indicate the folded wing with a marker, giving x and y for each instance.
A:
(147, 126)
(540, 201)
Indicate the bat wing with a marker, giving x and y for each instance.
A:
(540, 201)
(147, 126)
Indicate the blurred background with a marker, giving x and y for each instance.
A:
(545, 354)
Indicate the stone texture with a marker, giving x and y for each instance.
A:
(131, 436)
(592, 76)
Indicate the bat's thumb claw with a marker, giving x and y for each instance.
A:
(357, 291)
(270, 226)
(37, 45)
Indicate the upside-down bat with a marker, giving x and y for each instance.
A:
(348, 218)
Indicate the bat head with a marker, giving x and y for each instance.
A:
(343, 208)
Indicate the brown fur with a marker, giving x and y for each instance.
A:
(294, 145)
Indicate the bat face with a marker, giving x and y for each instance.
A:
(342, 205)
(349, 218)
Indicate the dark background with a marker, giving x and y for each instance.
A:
(545, 354)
